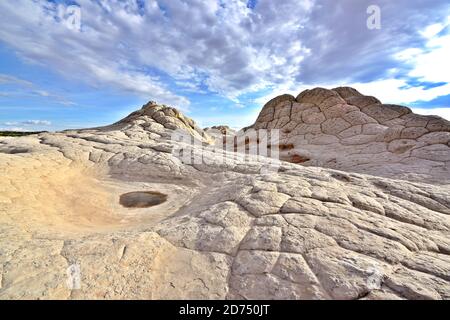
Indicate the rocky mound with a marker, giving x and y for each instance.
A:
(152, 114)
(224, 230)
(343, 129)
(224, 130)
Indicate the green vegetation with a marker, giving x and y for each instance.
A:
(17, 133)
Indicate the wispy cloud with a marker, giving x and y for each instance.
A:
(28, 123)
(9, 79)
(37, 122)
(14, 129)
(229, 47)
(166, 49)
(25, 88)
(442, 112)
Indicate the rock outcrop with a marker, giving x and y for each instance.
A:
(343, 129)
(152, 116)
(224, 130)
(228, 229)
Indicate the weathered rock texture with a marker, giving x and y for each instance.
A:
(227, 230)
(345, 130)
(224, 130)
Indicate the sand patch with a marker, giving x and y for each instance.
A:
(53, 194)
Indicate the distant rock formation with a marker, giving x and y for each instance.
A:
(224, 130)
(344, 129)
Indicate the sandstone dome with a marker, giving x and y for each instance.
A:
(346, 130)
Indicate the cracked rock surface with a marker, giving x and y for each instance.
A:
(346, 130)
(231, 230)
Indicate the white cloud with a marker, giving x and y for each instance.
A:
(432, 30)
(28, 123)
(442, 112)
(28, 88)
(14, 129)
(8, 79)
(232, 49)
(99, 55)
(37, 122)
(430, 63)
(224, 45)
(398, 92)
(394, 91)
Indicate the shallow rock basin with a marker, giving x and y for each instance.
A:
(142, 199)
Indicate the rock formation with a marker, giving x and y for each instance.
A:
(227, 229)
(345, 130)
(224, 130)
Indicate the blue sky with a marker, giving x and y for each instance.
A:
(218, 61)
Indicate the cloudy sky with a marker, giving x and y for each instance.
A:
(69, 64)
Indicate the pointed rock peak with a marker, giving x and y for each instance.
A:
(223, 129)
(168, 117)
(150, 104)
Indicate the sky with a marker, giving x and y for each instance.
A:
(85, 63)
